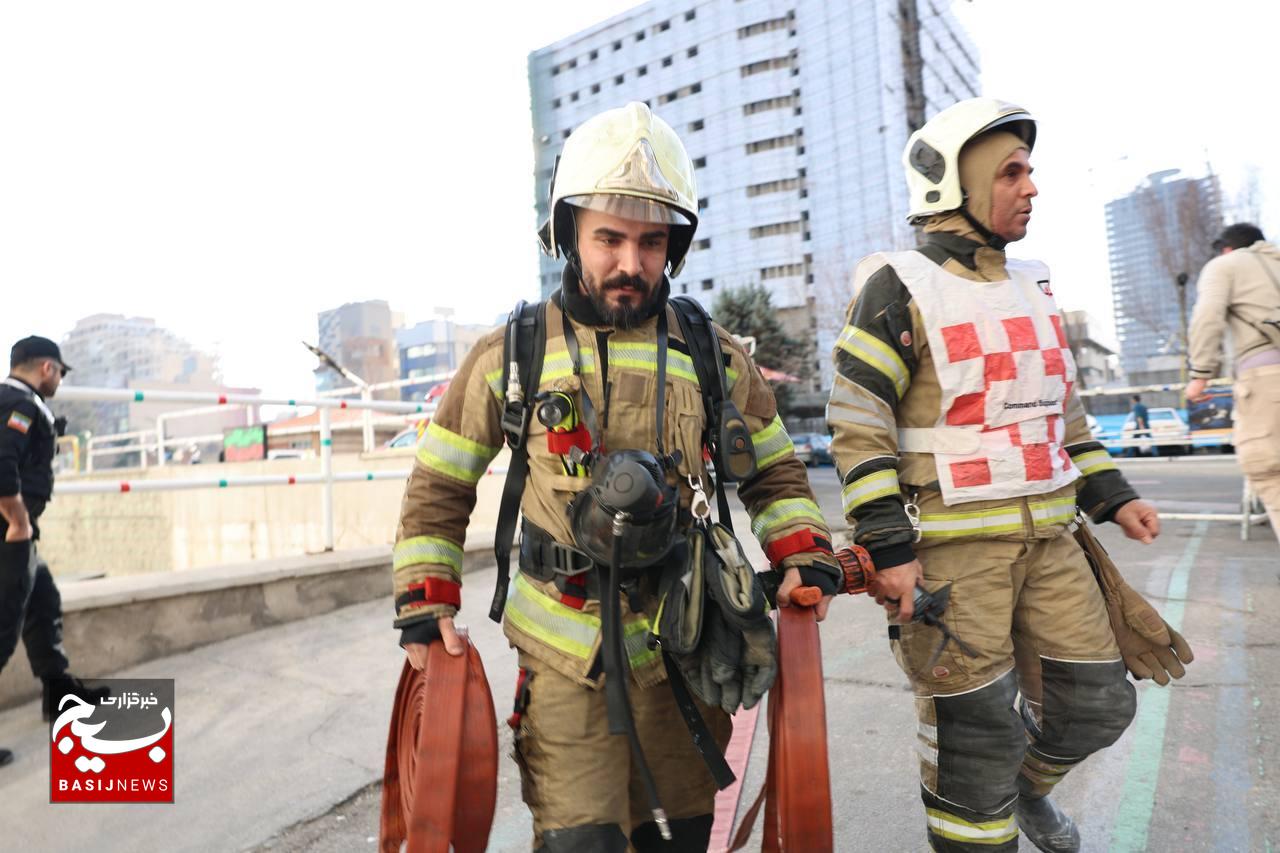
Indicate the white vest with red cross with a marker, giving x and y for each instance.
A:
(1006, 373)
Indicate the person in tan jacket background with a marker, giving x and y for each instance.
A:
(965, 457)
(1238, 297)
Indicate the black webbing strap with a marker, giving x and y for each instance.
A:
(525, 347)
(698, 731)
(699, 336)
(660, 406)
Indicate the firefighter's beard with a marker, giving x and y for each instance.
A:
(623, 301)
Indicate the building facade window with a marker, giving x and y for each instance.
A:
(767, 26)
(763, 65)
(708, 283)
(775, 228)
(778, 103)
(772, 143)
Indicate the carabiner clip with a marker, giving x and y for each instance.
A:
(700, 507)
(913, 515)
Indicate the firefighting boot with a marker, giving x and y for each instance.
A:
(1045, 825)
(61, 685)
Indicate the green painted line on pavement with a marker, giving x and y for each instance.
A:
(1133, 817)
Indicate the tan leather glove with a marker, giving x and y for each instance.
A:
(1150, 648)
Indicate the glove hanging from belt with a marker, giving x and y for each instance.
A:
(1150, 648)
(714, 620)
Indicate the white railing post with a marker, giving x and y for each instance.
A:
(326, 470)
(160, 441)
(366, 395)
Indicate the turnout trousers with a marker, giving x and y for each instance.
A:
(1046, 689)
(581, 782)
(1257, 435)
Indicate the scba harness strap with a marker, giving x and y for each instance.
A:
(523, 351)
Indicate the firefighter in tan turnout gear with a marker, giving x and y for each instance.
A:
(964, 454)
(619, 380)
(1238, 295)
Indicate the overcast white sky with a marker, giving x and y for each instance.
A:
(232, 168)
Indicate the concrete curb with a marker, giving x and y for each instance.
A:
(113, 623)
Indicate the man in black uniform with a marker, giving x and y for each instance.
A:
(30, 605)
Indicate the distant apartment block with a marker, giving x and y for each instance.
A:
(1160, 229)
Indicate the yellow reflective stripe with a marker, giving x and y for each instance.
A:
(548, 621)
(558, 365)
(453, 455)
(948, 525)
(635, 355)
(635, 637)
(771, 443)
(1058, 511)
(1094, 461)
(877, 484)
(568, 630)
(494, 380)
(957, 828)
(427, 549)
(867, 348)
(784, 512)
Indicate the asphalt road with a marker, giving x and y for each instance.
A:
(282, 732)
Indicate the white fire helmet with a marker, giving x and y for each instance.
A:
(630, 163)
(932, 156)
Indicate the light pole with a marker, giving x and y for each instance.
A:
(365, 393)
(1181, 281)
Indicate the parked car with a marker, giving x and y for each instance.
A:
(822, 451)
(1166, 424)
(812, 448)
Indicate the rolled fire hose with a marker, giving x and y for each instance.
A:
(440, 786)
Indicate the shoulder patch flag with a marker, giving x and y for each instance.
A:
(19, 421)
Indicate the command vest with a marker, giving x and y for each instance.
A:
(1005, 372)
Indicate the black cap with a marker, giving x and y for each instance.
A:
(36, 347)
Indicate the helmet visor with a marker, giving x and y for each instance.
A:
(629, 207)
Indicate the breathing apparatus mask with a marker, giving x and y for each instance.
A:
(629, 498)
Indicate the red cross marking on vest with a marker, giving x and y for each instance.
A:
(968, 410)
(1022, 333)
(1038, 461)
(1057, 328)
(973, 472)
(962, 342)
(1054, 363)
(999, 367)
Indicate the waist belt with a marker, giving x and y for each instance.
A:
(543, 558)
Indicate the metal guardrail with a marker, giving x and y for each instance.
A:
(325, 477)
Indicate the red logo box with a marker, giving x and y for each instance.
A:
(113, 743)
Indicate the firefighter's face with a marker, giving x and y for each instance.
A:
(622, 264)
(1011, 196)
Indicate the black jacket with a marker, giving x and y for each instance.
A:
(27, 444)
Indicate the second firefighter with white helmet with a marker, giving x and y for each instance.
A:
(623, 213)
(965, 457)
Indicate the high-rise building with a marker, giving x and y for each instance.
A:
(795, 113)
(114, 351)
(432, 350)
(1156, 235)
(361, 337)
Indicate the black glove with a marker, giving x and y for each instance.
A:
(425, 632)
(824, 573)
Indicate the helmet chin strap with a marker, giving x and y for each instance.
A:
(991, 238)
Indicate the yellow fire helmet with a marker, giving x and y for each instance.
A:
(630, 163)
(932, 156)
